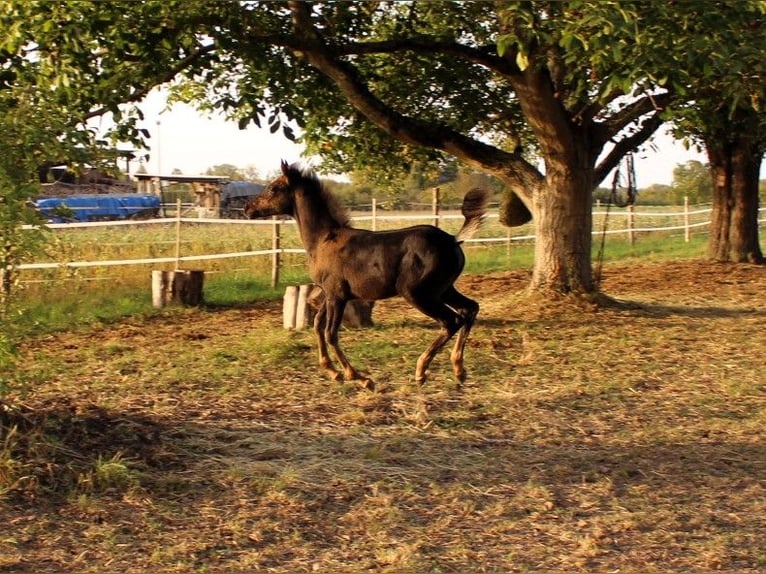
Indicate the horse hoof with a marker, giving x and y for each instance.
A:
(367, 384)
(364, 381)
(335, 376)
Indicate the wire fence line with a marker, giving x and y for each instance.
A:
(610, 222)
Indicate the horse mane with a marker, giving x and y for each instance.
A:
(312, 184)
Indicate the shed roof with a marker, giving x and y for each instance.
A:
(183, 178)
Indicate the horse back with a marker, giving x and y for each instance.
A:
(360, 264)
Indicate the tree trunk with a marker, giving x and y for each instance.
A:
(180, 286)
(735, 168)
(563, 217)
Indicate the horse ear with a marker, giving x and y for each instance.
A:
(285, 167)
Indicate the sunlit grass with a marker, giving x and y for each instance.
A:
(650, 247)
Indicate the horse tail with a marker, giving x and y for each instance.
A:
(473, 209)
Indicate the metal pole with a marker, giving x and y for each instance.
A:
(159, 151)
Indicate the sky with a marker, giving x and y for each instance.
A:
(192, 142)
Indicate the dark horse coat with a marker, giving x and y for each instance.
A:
(420, 263)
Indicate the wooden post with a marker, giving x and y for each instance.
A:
(289, 306)
(159, 289)
(687, 229)
(275, 259)
(357, 315)
(374, 214)
(435, 206)
(297, 310)
(631, 238)
(187, 286)
(184, 286)
(303, 311)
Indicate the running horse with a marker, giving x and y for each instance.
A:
(419, 263)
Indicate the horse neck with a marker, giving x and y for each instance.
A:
(314, 219)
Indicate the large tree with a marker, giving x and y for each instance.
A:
(547, 96)
(735, 146)
(721, 110)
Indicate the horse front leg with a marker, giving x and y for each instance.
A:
(335, 308)
(320, 322)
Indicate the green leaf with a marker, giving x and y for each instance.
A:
(522, 61)
(503, 43)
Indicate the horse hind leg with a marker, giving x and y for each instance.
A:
(468, 309)
(450, 321)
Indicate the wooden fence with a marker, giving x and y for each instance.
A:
(628, 221)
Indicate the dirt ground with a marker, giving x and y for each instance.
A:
(621, 439)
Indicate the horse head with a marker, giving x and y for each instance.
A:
(278, 198)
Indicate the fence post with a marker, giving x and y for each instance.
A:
(289, 306)
(687, 229)
(178, 233)
(631, 238)
(435, 206)
(275, 259)
(374, 214)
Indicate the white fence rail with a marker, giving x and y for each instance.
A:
(626, 227)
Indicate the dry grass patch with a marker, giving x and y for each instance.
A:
(627, 438)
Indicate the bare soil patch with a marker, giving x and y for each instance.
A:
(619, 439)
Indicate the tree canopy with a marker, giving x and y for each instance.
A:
(441, 74)
(725, 117)
(691, 180)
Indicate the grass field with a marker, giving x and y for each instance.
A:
(56, 298)
(622, 439)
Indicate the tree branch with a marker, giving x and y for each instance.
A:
(626, 145)
(308, 44)
(482, 55)
(631, 113)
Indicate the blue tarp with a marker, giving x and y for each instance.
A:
(97, 207)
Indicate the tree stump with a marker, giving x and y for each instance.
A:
(183, 286)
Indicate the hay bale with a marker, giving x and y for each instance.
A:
(513, 212)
